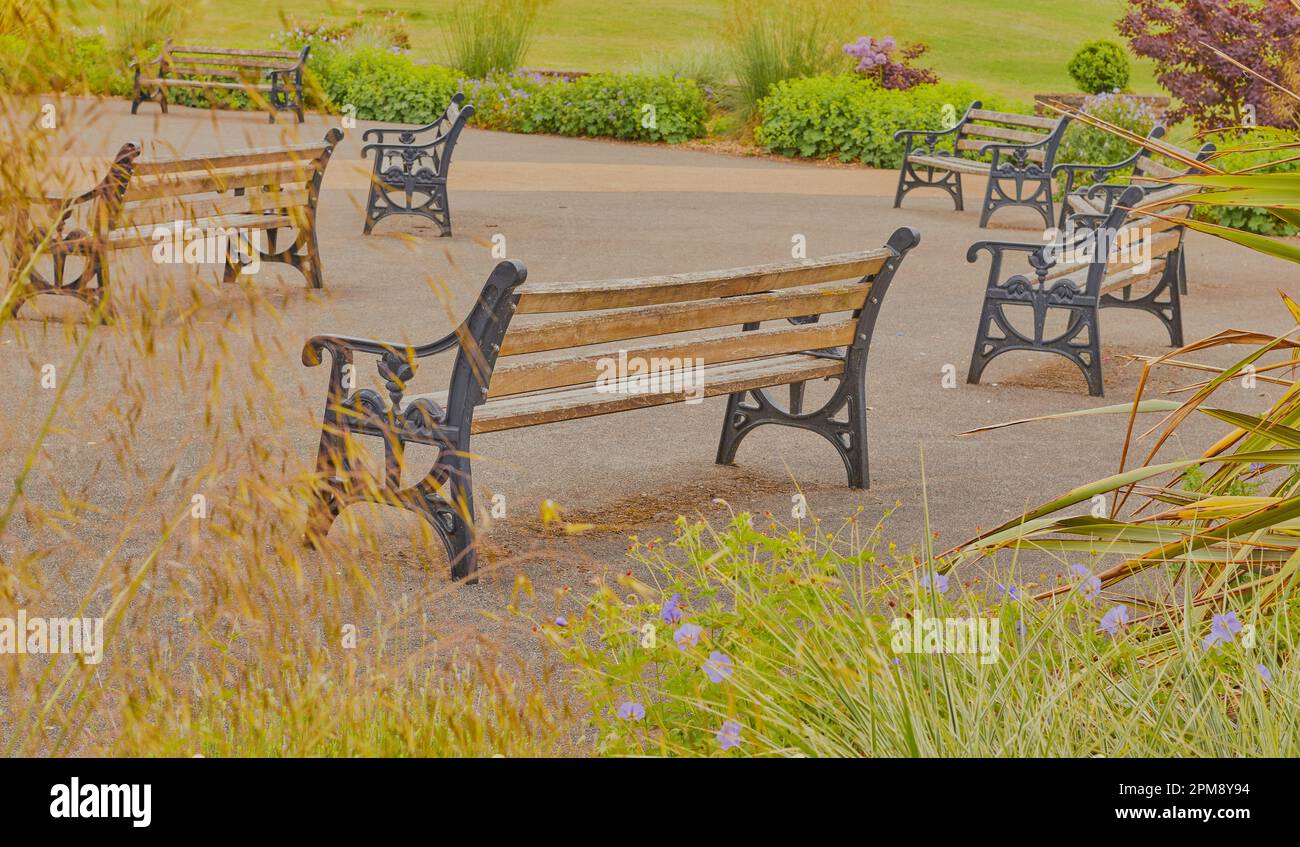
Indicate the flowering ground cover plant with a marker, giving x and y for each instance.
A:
(501, 99)
(757, 639)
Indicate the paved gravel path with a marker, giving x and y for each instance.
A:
(579, 209)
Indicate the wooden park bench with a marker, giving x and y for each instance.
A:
(274, 74)
(1022, 150)
(1148, 170)
(143, 201)
(410, 174)
(1077, 275)
(703, 328)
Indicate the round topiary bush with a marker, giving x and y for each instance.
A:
(1100, 66)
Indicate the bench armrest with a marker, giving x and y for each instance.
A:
(1108, 191)
(997, 248)
(1098, 172)
(378, 133)
(1072, 168)
(477, 341)
(382, 146)
(933, 135)
(341, 347)
(1012, 146)
(396, 366)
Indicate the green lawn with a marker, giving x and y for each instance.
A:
(1014, 47)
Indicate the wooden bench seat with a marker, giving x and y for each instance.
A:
(950, 163)
(1098, 262)
(1021, 150)
(546, 353)
(140, 202)
(584, 401)
(277, 74)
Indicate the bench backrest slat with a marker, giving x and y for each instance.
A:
(203, 186)
(1035, 155)
(234, 51)
(224, 73)
(225, 179)
(1035, 121)
(216, 64)
(1133, 241)
(676, 288)
(684, 317)
(558, 372)
(1150, 167)
(305, 153)
(171, 209)
(1001, 133)
(624, 324)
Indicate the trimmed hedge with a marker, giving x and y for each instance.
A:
(382, 85)
(627, 106)
(854, 119)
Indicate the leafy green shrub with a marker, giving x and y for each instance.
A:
(1249, 218)
(489, 36)
(69, 62)
(384, 86)
(618, 106)
(13, 62)
(1100, 66)
(98, 67)
(855, 120)
(1083, 144)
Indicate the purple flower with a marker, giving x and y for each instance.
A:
(671, 613)
(1089, 584)
(630, 711)
(1222, 630)
(940, 582)
(687, 635)
(1010, 592)
(717, 667)
(561, 621)
(1264, 673)
(729, 735)
(1114, 620)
